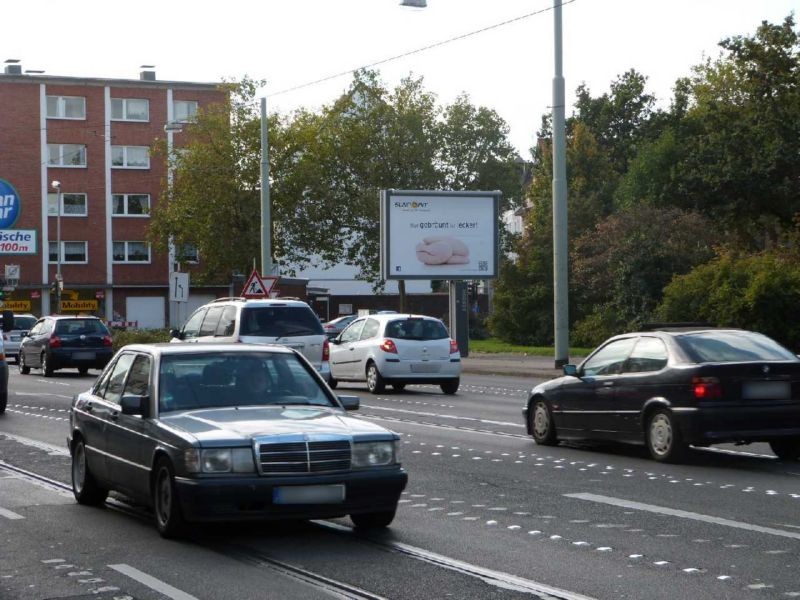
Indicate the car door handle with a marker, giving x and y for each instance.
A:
(608, 383)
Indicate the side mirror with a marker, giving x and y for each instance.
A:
(350, 402)
(8, 320)
(571, 370)
(175, 333)
(336, 341)
(135, 405)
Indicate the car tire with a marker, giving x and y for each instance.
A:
(376, 520)
(786, 449)
(375, 382)
(398, 387)
(23, 368)
(664, 441)
(166, 506)
(332, 383)
(3, 402)
(47, 367)
(83, 371)
(451, 387)
(84, 486)
(543, 429)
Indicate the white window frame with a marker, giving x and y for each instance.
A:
(52, 201)
(61, 107)
(125, 198)
(64, 261)
(60, 164)
(125, 164)
(187, 103)
(125, 116)
(127, 260)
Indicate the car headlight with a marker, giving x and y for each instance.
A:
(219, 460)
(375, 454)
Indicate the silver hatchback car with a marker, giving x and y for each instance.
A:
(397, 350)
(13, 338)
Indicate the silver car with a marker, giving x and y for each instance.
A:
(290, 323)
(13, 338)
(397, 350)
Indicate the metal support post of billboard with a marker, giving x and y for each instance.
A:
(459, 315)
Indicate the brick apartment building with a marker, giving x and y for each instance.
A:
(94, 137)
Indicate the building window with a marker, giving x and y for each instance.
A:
(71, 252)
(130, 109)
(72, 205)
(184, 111)
(187, 253)
(66, 155)
(130, 205)
(66, 107)
(130, 157)
(131, 252)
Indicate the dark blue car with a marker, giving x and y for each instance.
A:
(62, 342)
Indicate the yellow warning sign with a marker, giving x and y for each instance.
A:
(16, 305)
(79, 305)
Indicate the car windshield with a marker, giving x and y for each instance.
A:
(229, 379)
(80, 327)
(416, 329)
(24, 322)
(280, 321)
(733, 346)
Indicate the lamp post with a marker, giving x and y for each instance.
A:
(57, 186)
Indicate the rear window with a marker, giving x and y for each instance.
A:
(733, 346)
(416, 329)
(80, 327)
(24, 322)
(280, 321)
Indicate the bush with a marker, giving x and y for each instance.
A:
(138, 336)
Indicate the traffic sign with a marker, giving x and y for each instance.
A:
(257, 286)
(179, 287)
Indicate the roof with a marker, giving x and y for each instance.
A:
(262, 301)
(105, 81)
(166, 348)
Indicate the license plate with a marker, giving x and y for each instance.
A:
(766, 390)
(83, 355)
(308, 494)
(425, 367)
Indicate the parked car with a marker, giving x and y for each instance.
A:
(337, 325)
(7, 323)
(62, 342)
(670, 388)
(223, 432)
(291, 323)
(395, 349)
(13, 338)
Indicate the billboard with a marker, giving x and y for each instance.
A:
(439, 235)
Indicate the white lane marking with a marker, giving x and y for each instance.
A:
(51, 382)
(454, 417)
(153, 583)
(8, 514)
(37, 394)
(37, 444)
(684, 514)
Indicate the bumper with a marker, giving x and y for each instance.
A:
(251, 498)
(76, 357)
(11, 349)
(718, 424)
(404, 371)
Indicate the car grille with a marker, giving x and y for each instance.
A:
(303, 457)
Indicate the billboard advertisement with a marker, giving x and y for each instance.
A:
(439, 235)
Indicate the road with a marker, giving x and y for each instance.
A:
(487, 514)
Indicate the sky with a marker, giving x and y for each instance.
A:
(292, 42)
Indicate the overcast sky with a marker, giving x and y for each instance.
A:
(292, 42)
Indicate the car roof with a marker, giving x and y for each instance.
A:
(166, 348)
(260, 301)
(61, 317)
(395, 316)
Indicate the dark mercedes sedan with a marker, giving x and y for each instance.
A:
(223, 432)
(672, 388)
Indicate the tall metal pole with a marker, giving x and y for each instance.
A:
(57, 186)
(266, 216)
(560, 280)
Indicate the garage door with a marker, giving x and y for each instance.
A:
(148, 312)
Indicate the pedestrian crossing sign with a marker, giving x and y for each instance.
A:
(257, 286)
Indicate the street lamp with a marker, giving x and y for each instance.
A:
(57, 186)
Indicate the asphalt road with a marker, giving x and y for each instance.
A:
(487, 514)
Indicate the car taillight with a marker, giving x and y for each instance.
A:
(107, 341)
(388, 346)
(55, 341)
(706, 388)
(326, 351)
(453, 346)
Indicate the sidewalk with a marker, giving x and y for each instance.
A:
(518, 365)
